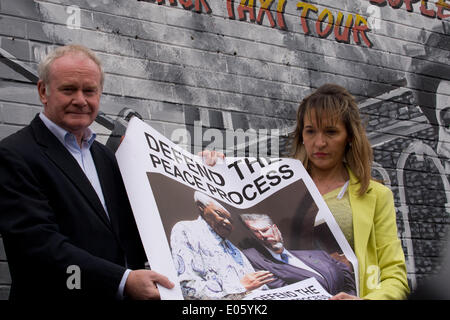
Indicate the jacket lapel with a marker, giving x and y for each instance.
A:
(363, 209)
(107, 183)
(287, 269)
(62, 158)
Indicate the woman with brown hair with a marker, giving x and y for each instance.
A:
(331, 142)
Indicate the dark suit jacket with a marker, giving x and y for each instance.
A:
(337, 276)
(51, 218)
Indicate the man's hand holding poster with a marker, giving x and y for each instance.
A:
(242, 229)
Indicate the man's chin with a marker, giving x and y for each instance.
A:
(78, 123)
(277, 246)
(224, 233)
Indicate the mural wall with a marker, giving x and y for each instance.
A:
(229, 75)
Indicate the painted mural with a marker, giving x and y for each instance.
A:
(229, 75)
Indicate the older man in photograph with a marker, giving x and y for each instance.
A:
(291, 266)
(210, 266)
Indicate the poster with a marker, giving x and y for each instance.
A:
(245, 228)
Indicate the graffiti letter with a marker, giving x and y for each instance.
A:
(202, 3)
(280, 12)
(360, 28)
(172, 2)
(380, 3)
(441, 7)
(230, 9)
(374, 20)
(425, 11)
(74, 280)
(345, 36)
(74, 19)
(325, 33)
(409, 4)
(250, 8)
(395, 3)
(187, 4)
(306, 8)
(265, 5)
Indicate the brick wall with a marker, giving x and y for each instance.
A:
(177, 66)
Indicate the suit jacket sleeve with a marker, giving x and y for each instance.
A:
(348, 277)
(28, 222)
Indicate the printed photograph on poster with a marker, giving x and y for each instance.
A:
(242, 229)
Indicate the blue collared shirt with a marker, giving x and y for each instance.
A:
(293, 260)
(84, 158)
(81, 154)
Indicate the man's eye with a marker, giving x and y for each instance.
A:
(221, 214)
(90, 92)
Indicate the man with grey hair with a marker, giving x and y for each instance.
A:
(66, 222)
(209, 266)
(290, 266)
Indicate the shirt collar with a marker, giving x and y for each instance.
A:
(64, 136)
(278, 255)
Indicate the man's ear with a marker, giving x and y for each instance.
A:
(43, 91)
(200, 206)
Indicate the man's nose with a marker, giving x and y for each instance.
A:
(264, 235)
(79, 98)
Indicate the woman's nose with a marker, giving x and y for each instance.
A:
(320, 140)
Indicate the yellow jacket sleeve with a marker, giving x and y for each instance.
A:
(382, 267)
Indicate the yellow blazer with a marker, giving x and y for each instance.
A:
(382, 268)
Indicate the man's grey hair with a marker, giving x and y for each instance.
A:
(205, 200)
(45, 64)
(256, 217)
